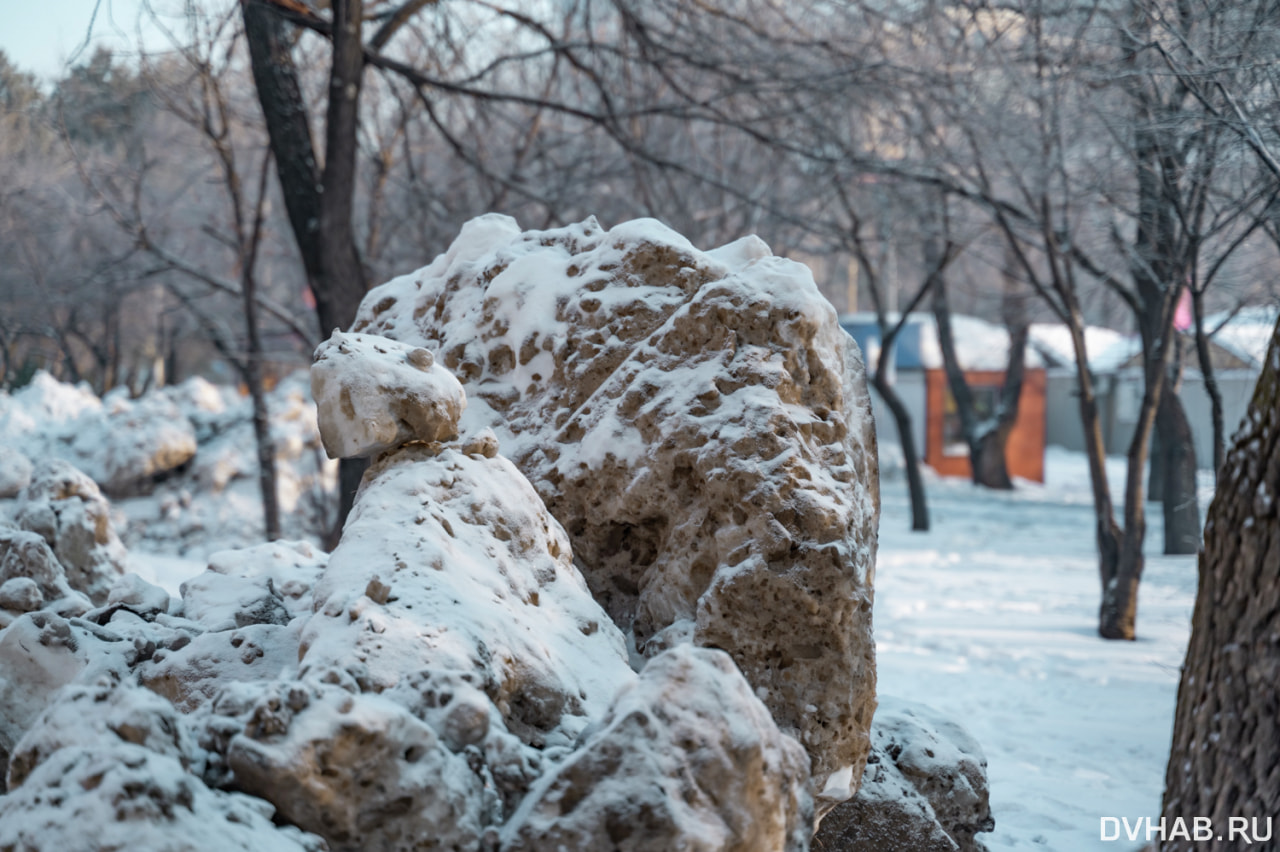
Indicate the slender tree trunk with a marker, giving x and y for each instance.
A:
(910, 454)
(1226, 730)
(1119, 611)
(261, 416)
(1107, 532)
(1173, 465)
(989, 454)
(1210, 381)
(1178, 496)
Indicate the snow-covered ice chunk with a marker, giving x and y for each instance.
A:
(700, 425)
(67, 509)
(687, 758)
(125, 796)
(359, 770)
(373, 394)
(926, 782)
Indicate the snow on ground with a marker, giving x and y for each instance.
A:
(991, 618)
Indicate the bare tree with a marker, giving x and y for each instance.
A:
(192, 91)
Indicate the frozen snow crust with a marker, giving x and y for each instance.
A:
(699, 424)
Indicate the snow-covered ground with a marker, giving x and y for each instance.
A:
(991, 617)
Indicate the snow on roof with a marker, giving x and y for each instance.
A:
(1246, 334)
(980, 345)
(1106, 347)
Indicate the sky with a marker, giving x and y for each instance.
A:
(41, 35)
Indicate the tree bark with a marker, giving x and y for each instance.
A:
(988, 436)
(910, 454)
(1178, 488)
(319, 203)
(1226, 735)
(261, 415)
(1210, 381)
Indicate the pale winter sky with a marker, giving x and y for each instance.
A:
(41, 35)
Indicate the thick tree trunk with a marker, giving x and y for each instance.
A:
(1226, 735)
(988, 434)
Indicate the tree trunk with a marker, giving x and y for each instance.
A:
(989, 453)
(319, 204)
(261, 415)
(1210, 381)
(1119, 611)
(1226, 734)
(910, 455)
(1108, 534)
(1178, 495)
(1155, 467)
(987, 436)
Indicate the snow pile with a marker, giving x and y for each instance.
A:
(692, 495)
(699, 424)
(121, 443)
(15, 472)
(215, 503)
(246, 613)
(109, 766)
(686, 758)
(181, 461)
(67, 510)
(360, 770)
(31, 577)
(450, 563)
(456, 660)
(91, 759)
(926, 780)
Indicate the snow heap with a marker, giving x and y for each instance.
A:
(456, 659)
(180, 461)
(66, 509)
(122, 444)
(699, 424)
(15, 472)
(926, 781)
(716, 780)
(112, 766)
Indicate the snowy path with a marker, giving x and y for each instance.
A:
(991, 617)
